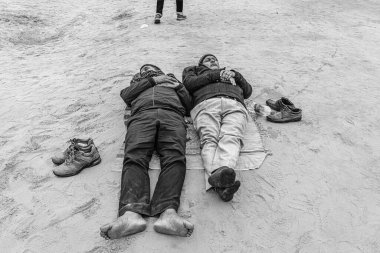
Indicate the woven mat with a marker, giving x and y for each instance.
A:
(252, 155)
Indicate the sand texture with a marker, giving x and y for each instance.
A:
(63, 64)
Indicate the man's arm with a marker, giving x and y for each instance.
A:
(133, 91)
(243, 84)
(185, 98)
(180, 89)
(193, 82)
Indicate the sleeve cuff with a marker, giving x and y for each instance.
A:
(215, 75)
(151, 81)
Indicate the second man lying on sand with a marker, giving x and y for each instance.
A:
(220, 119)
(158, 102)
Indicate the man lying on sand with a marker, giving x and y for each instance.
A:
(158, 104)
(220, 119)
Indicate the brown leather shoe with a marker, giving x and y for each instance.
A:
(279, 104)
(77, 161)
(227, 194)
(81, 144)
(286, 114)
(222, 177)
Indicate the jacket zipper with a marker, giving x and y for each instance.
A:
(153, 96)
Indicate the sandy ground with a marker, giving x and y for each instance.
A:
(63, 63)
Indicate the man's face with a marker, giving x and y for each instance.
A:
(147, 68)
(211, 62)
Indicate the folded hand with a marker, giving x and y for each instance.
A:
(166, 81)
(226, 75)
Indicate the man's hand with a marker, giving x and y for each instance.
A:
(227, 75)
(166, 81)
(169, 85)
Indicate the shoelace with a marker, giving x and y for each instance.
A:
(71, 155)
(72, 141)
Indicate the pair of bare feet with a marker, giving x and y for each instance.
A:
(131, 223)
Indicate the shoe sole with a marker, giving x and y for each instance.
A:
(157, 22)
(92, 164)
(226, 179)
(285, 121)
(228, 193)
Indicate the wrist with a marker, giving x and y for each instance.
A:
(152, 81)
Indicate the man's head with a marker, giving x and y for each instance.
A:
(210, 61)
(149, 67)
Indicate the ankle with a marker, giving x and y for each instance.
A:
(169, 211)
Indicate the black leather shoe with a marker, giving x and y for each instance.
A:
(286, 114)
(227, 194)
(222, 177)
(279, 104)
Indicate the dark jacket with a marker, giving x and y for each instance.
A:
(204, 83)
(144, 94)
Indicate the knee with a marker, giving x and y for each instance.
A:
(132, 160)
(177, 158)
(232, 138)
(209, 137)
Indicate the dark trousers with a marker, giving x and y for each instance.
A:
(163, 131)
(160, 6)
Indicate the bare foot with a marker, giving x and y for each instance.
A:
(127, 224)
(171, 224)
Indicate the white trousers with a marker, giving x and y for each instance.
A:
(220, 124)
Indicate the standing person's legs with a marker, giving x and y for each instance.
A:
(171, 148)
(135, 185)
(180, 15)
(179, 4)
(206, 119)
(160, 6)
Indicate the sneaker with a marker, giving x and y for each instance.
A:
(227, 194)
(287, 114)
(78, 160)
(157, 18)
(279, 104)
(180, 16)
(81, 144)
(222, 177)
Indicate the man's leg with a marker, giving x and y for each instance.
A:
(135, 186)
(206, 119)
(171, 147)
(160, 6)
(179, 4)
(234, 123)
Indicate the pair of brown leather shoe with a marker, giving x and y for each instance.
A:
(223, 181)
(286, 111)
(80, 154)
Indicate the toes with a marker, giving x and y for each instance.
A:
(105, 236)
(104, 231)
(189, 227)
(105, 228)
